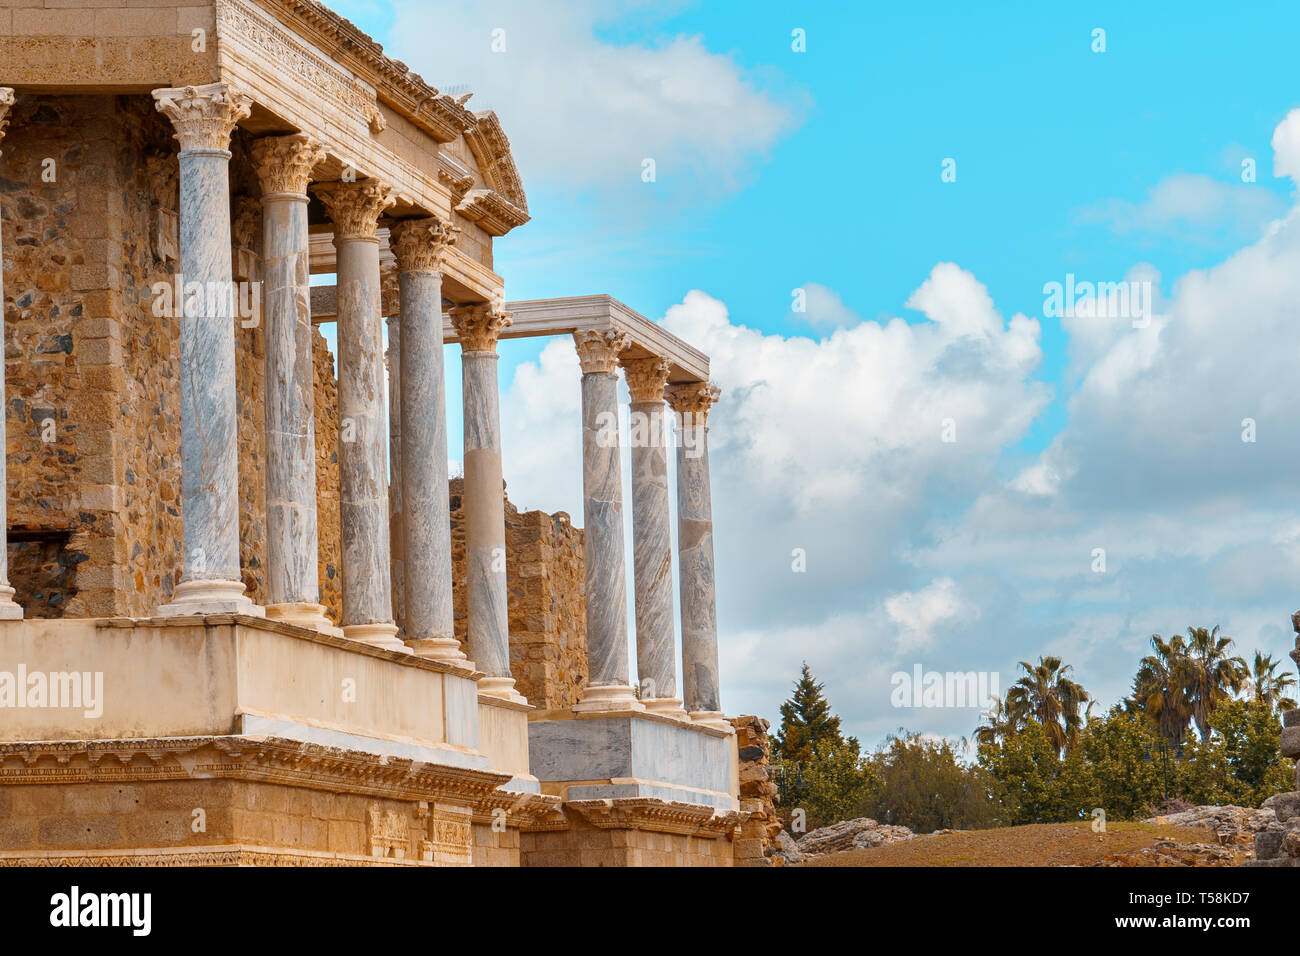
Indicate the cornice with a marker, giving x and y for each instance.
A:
(662, 816)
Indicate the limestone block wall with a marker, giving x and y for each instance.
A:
(544, 583)
(757, 792)
(327, 475)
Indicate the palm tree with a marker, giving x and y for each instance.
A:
(1266, 686)
(1160, 688)
(997, 724)
(1050, 697)
(1213, 676)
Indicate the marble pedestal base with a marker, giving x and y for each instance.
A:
(380, 634)
(665, 706)
(635, 755)
(210, 597)
(9, 609)
(304, 615)
(502, 688)
(445, 649)
(614, 698)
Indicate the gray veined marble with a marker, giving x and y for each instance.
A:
(695, 562)
(426, 517)
(602, 509)
(485, 533)
(652, 564)
(396, 507)
(366, 571)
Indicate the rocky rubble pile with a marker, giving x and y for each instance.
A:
(1278, 843)
(1173, 853)
(858, 834)
(1231, 826)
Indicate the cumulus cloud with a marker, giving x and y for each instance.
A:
(584, 110)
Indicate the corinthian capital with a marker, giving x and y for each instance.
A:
(6, 101)
(646, 378)
(421, 245)
(693, 399)
(390, 292)
(284, 163)
(479, 326)
(598, 351)
(355, 208)
(203, 115)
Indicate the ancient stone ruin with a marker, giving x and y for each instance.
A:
(246, 618)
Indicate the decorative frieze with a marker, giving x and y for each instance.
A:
(203, 116)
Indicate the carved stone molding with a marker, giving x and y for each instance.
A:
(422, 245)
(246, 227)
(203, 116)
(284, 163)
(598, 351)
(693, 399)
(355, 208)
(6, 103)
(479, 326)
(646, 378)
(390, 293)
(663, 816)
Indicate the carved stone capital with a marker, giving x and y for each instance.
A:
(598, 351)
(246, 227)
(646, 378)
(421, 245)
(284, 163)
(390, 292)
(355, 208)
(693, 399)
(203, 116)
(6, 101)
(479, 326)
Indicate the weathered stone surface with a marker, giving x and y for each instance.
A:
(858, 834)
(1231, 825)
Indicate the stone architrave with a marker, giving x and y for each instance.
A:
(478, 327)
(420, 247)
(204, 118)
(355, 208)
(652, 555)
(283, 165)
(10, 610)
(691, 402)
(602, 507)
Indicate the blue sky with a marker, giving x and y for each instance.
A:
(779, 170)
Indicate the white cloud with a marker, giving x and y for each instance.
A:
(1192, 207)
(918, 613)
(583, 110)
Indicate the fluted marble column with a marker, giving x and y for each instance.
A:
(204, 118)
(355, 209)
(695, 553)
(478, 327)
(390, 303)
(420, 246)
(283, 166)
(9, 609)
(652, 554)
(602, 508)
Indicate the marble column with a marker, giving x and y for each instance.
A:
(355, 208)
(695, 553)
(283, 165)
(478, 327)
(9, 609)
(602, 508)
(204, 117)
(389, 300)
(420, 246)
(652, 552)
